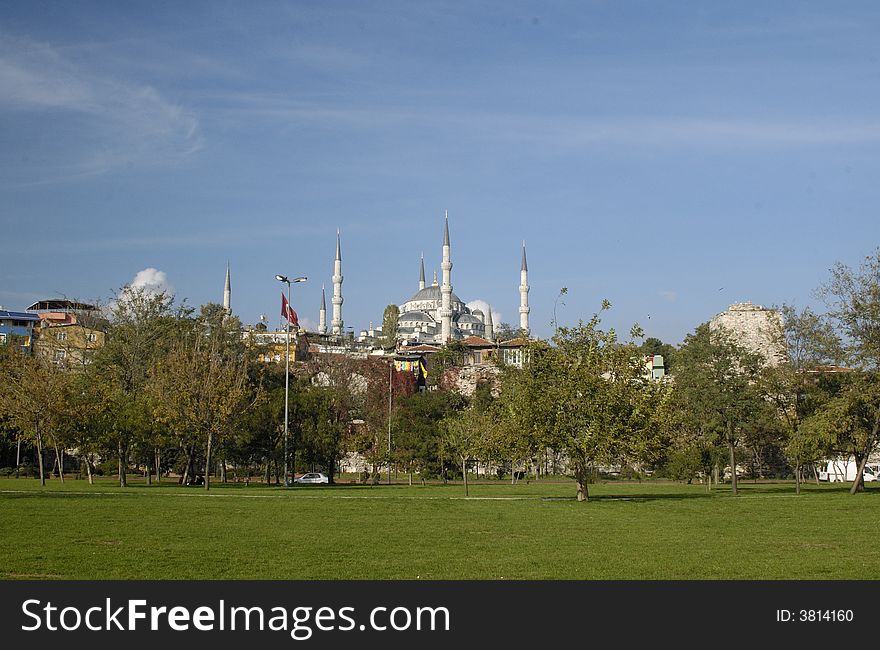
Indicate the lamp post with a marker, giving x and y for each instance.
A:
(390, 370)
(287, 281)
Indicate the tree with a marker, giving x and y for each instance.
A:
(200, 387)
(463, 436)
(389, 327)
(34, 399)
(418, 431)
(793, 387)
(588, 395)
(715, 388)
(143, 327)
(853, 299)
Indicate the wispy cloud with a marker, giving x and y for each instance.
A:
(106, 123)
(670, 296)
(556, 130)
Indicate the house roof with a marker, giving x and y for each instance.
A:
(422, 348)
(60, 304)
(477, 342)
(18, 315)
(514, 343)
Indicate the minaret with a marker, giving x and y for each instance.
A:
(490, 327)
(524, 294)
(227, 292)
(322, 314)
(434, 284)
(422, 273)
(445, 312)
(336, 323)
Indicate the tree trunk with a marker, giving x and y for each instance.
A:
(122, 453)
(581, 476)
(732, 452)
(859, 484)
(797, 476)
(859, 481)
(59, 455)
(158, 459)
(815, 474)
(464, 474)
(89, 469)
(717, 473)
(208, 462)
(40, 456)
(17, 457)
(149, 472)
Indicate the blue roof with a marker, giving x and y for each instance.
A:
(18, 315)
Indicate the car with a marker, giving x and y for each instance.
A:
(312, 478)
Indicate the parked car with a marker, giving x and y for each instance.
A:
(312, 477)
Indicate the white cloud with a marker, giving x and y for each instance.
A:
(483, 306)
(151, 281)
(668, 295)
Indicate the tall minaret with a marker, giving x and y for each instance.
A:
(227, 292)
(445, 312)
(322, 314)
(524, 294)
(490, 327)
(422, 273)
(336, 323)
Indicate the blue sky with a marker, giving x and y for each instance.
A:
(671, 157)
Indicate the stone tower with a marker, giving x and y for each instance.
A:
(337, 322)
(322, 314)
(227, 292)
(445, 311)
(490, 326)
(524, 294)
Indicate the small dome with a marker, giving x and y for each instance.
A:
(419, 316)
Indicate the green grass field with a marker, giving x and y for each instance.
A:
(628, 531)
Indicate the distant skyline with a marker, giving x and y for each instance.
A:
(672, 157)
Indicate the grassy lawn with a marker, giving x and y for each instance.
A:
(628, 531)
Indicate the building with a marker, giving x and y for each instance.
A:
(69, 332)
(17, 328)
(760, 330)
(435, 314)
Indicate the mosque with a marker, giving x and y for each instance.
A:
(434, 314)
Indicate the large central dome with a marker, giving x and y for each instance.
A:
(431, 293)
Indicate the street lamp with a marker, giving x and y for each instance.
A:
(390, 370)
(287, 281)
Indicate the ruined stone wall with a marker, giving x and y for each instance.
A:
(756, 328)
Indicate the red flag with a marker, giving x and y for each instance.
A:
(288, 312)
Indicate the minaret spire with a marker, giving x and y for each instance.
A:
(322, 314)
(524, 293)
(337, 289)
(227, 292)
(490, 326)
(445, 311)
(422, 273)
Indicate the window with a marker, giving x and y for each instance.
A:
(92, 338)
(61, 336)
(60, 354)
(2, 338)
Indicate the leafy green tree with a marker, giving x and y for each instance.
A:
(853, 300)
(418, 432)
(200, 386)
(715, 386)
(587, 395)
(389, 327)
(143, 327)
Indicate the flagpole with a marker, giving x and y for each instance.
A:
(287, 310)
(286, 385)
